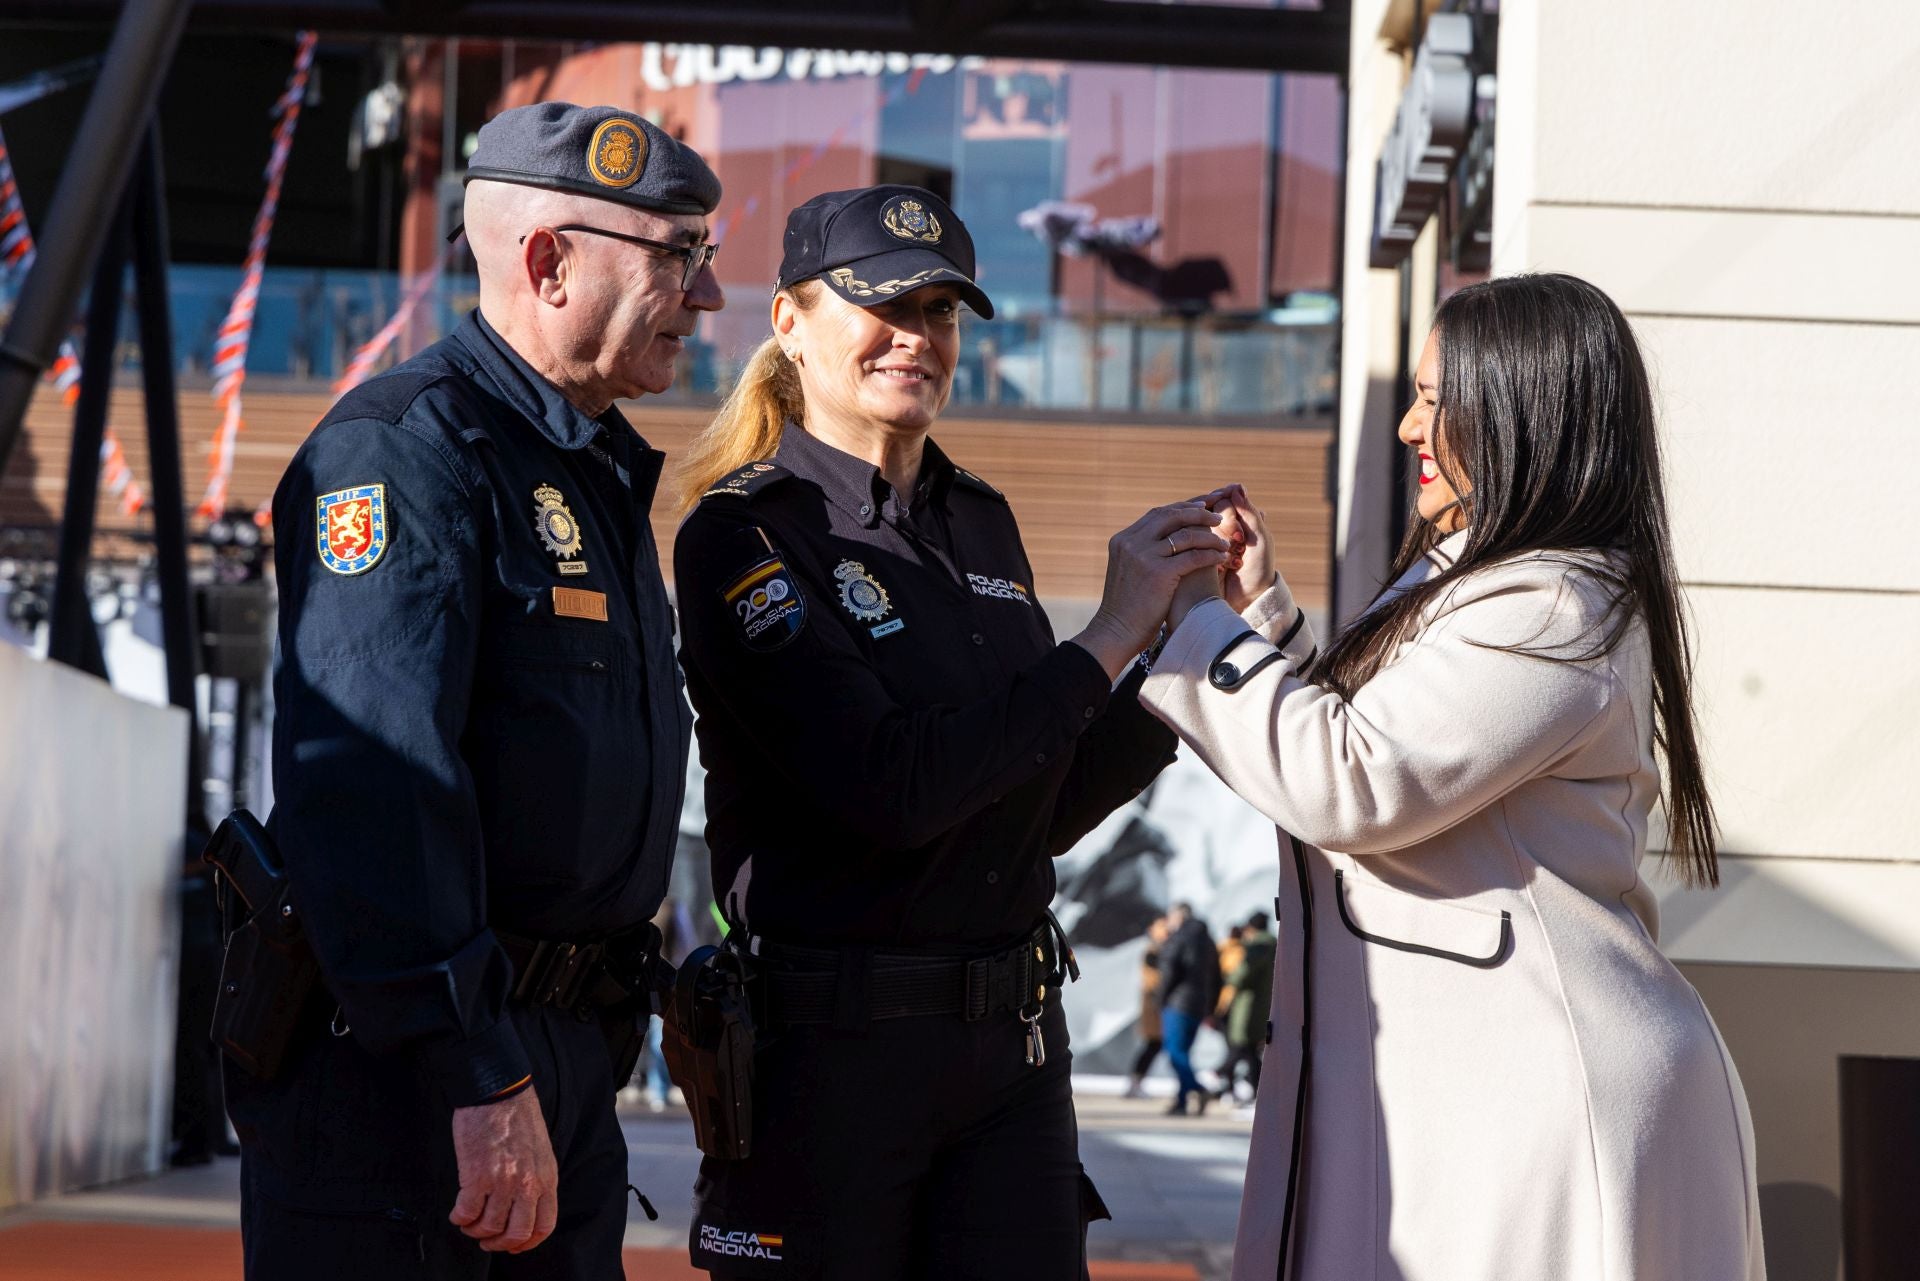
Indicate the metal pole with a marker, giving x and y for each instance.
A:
(92, 180)
(163, 421)
(165, 491)
(72, 624)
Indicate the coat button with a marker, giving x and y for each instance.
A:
(978, 639)
(1087, 713)
(866, 509)
(1224, 676)
(993, 878)
(1040, 758)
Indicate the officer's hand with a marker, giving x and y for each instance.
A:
(1145, 562)
(509, 1182)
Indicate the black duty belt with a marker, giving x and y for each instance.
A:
(582, 977)
(851, 985)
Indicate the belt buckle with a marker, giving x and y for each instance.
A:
(557, 972)
(979, 991)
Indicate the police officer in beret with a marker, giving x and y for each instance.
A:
(896, 747)
(481, 737)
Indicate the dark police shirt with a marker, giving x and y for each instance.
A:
(895, 746)
(479, 724)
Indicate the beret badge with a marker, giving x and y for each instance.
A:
(908, 219)
(617, 153)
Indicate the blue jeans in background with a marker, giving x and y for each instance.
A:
(1179, 1031)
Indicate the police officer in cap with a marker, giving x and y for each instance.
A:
(481, 737)
(896, 747)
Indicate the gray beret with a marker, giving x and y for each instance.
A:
(594, 151)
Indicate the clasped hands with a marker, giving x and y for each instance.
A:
(1171, 559)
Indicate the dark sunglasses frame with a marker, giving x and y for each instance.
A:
(696, 257)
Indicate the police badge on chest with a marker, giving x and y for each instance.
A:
(559, 531)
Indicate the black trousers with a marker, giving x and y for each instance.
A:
(922, 1148)
(347, 1167)
(1149, 1051)
(1238, 1056)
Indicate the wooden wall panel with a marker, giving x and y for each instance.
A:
(1071, 484)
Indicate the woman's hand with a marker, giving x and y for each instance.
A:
(1253, 567)
(1146, 561)
(1193, 589)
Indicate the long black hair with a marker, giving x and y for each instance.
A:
(1545, 424)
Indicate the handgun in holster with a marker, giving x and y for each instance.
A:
(269, 969)
(633, 962)
(708, 1042)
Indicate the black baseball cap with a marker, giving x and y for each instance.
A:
(873, 244)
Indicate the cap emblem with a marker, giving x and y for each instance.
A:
(617, 153)
(908, 219)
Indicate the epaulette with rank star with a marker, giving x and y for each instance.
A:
(967, 477)
(748, 481)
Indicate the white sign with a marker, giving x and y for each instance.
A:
(678, 66)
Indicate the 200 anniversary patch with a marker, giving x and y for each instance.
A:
(767, 606)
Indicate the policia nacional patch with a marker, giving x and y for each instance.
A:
(352, 528)
(767, 606)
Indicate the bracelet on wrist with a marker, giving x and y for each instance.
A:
(1151, 653)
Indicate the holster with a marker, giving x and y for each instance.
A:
(708, 1043)
(615, 981)
(269, 969)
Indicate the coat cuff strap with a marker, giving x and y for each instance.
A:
(484, 1068)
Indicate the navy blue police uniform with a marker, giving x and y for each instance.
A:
(479, 754)
(896, 747)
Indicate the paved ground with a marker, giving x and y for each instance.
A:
(1173, 1185)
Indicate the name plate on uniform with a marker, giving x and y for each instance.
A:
(578, 602)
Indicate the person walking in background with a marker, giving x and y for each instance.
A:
(1149, 1026)
(1189, 986)
(1249, 995)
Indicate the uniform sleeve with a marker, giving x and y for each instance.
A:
(1124, 749)
(1452, 725)
(805, 696)
(375, 813)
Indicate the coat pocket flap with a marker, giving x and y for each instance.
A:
(1391, 918)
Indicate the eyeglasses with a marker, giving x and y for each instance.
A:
(696, 257)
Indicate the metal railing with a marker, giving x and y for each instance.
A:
(309, 324)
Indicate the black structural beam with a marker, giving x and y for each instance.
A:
(166, 493)
(1187, 35)
(72, 637)
(91, 183)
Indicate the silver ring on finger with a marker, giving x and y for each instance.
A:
(1172, 547)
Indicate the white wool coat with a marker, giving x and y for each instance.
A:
(1508, 1079)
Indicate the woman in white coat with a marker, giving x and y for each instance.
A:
(1482, 1068)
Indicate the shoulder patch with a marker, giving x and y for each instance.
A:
(352, 528)
(766, 605)
(972, 481)
(748, 481)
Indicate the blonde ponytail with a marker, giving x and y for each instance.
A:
(748, 425)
